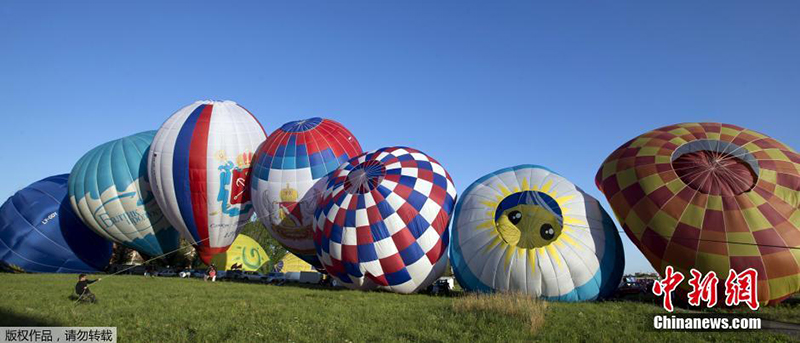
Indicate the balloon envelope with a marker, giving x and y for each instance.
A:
(286, 169)
(527, 229)
(382, 221)
(292, 263)
(245, 251)
(40, 233)
(110, 192)
(713, 197)
(199, 165)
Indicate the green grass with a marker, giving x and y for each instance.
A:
(177, 310)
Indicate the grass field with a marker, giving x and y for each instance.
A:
(178, 310)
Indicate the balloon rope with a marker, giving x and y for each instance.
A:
(701, 239)
(143, 263)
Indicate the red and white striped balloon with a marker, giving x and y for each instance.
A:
(199, 164)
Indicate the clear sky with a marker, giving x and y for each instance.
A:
(479, 85)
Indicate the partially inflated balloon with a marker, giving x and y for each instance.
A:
(110, 192)
(199, 165)
(713, 197)
(245, 251)
(527, 229)
(292, 263)
(382, 221)
(40, 233)
(286, 169)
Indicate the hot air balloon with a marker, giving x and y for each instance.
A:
(245, 251)
(382, 221)
(713, 197)
(40, 233)
(293, 264)
(199, 165)
(110, 192)
(286, 169)
(527, 229)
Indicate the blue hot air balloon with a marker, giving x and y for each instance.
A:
(110, 192)
(40, 233)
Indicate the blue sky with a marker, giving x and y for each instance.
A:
(477, 85)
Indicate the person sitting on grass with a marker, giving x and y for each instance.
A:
(82, 289)
(213, 273)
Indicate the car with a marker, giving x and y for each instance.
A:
(275, 277)
(303, 277)
(167, 272)
(185, 273)
(129, 269)
(443, 285)
(232, 275)
(252, 277)
(198, 273)
(629, 288)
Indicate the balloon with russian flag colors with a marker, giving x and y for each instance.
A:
(288, 176)
(199, 165)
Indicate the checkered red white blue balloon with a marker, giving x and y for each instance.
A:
(383, 220)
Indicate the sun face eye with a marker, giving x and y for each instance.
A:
(547, 231)
(514, 217)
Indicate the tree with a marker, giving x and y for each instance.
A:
(122, 255)
(275, 251)
(183, 257)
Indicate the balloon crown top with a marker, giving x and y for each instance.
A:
(365, 177)
(301, 125)
(288, 194)
(214, 102)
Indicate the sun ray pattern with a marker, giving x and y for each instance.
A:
(528, 229)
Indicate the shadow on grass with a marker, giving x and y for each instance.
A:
(307, 286)
(793, 301)
(11, 318)
(646, 298)
(451, 294)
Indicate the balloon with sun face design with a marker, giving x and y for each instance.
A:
(527, 229)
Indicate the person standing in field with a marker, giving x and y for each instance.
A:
(82, 289)
(211, 273)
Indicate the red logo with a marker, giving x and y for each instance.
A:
(239, 185)
(703, 288)
(666, 286)
(742, 288)
(739, 288)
